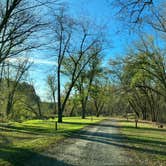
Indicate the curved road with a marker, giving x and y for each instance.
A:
(96, 145)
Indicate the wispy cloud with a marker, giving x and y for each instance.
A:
(42, 61)
(33, 60)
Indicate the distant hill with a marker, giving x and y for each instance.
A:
(20, 102)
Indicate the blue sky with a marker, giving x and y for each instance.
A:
(98, 11)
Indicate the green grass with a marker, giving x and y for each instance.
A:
(146, 144)
(18, 141)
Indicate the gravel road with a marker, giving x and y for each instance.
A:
(96, 145)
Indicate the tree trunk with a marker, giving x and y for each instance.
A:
(71, 112)
(136, 123)
(83, 110)
(54, 109)
(9, 104)
(154, 119)
(39, 109)
(8, 108)
(59, 116)
(59, 98)
(98, 114)
(144, 117)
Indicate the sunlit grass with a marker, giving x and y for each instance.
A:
(147, 143)
(20, 140)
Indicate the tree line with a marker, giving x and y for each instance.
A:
(80, 84)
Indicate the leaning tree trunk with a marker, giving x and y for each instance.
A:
(9, 105)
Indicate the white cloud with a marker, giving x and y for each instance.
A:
(33, 60)
(42, 61)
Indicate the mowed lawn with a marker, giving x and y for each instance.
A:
(18, 141)
(146, 145)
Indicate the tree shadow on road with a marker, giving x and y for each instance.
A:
(24, 157)
(120, 140)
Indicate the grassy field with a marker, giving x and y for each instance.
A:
(146, 144)
(18, 141)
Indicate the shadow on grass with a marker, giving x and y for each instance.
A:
(4, 140)
(121, 138)
(26, 129)
(24, 157)
(87, 124)
(155, 147)
(35, 130)
(16, 156)
(143, 145)
(117, 126)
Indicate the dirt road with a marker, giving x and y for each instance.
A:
(97, 145)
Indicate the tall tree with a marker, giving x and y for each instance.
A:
(70, 56)
(85, 81)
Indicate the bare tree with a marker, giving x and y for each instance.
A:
(63, 31)
(133, 10)
(18, 24)
(143, 11)
(70, 54)
(51, 81)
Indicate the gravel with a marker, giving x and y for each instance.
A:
(97, 145)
